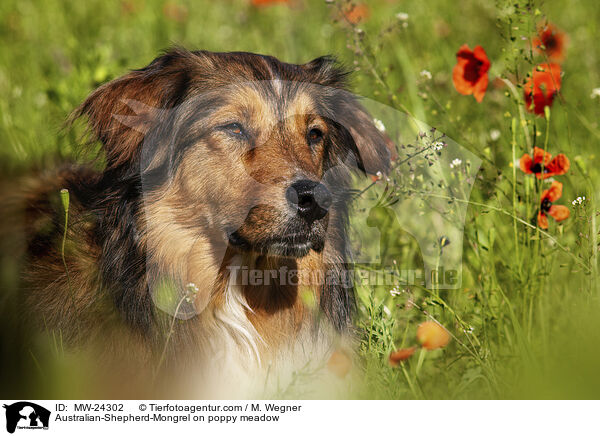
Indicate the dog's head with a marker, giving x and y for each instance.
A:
(251, 150)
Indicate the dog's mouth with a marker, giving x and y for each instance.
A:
(295, 245)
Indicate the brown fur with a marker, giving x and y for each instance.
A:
(176, 182)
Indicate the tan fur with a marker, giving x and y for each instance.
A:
(229, 339)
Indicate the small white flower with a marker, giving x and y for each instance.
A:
(437, 146)
(426, 74)
(192, 288)
(455, 163)
(379, 175)
(578, 200)
(494, 134)
(469, 330)
(379, 125)
(402, 16)
(595, 93)
(395, 291)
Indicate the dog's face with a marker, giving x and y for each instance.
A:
(243, 147)
(264, 152)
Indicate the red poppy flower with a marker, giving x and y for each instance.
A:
(549, 196)
(267, 2)
(551, 42)
(401, 355)
(470, 74)
(357, 13)
(552, 167)
(541, 87)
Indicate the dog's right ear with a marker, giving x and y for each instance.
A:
(121, 112)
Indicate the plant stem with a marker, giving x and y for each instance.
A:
(64, 196)
(514, 190)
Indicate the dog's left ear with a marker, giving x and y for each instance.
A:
(374, 150)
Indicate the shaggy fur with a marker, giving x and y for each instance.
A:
(199, 151)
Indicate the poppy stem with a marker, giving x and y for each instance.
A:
(547, 136)
(514, 186)
(420, 362)
(409, 381)
(539, 241)
(521, 112)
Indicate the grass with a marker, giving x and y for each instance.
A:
(524, 321)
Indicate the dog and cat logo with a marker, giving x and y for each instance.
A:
(26, 415)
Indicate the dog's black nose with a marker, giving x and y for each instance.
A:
(310, 199)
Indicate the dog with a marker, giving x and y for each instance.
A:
(192, 247)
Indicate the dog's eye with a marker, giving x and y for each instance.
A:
(314, 136)
(235, 129)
